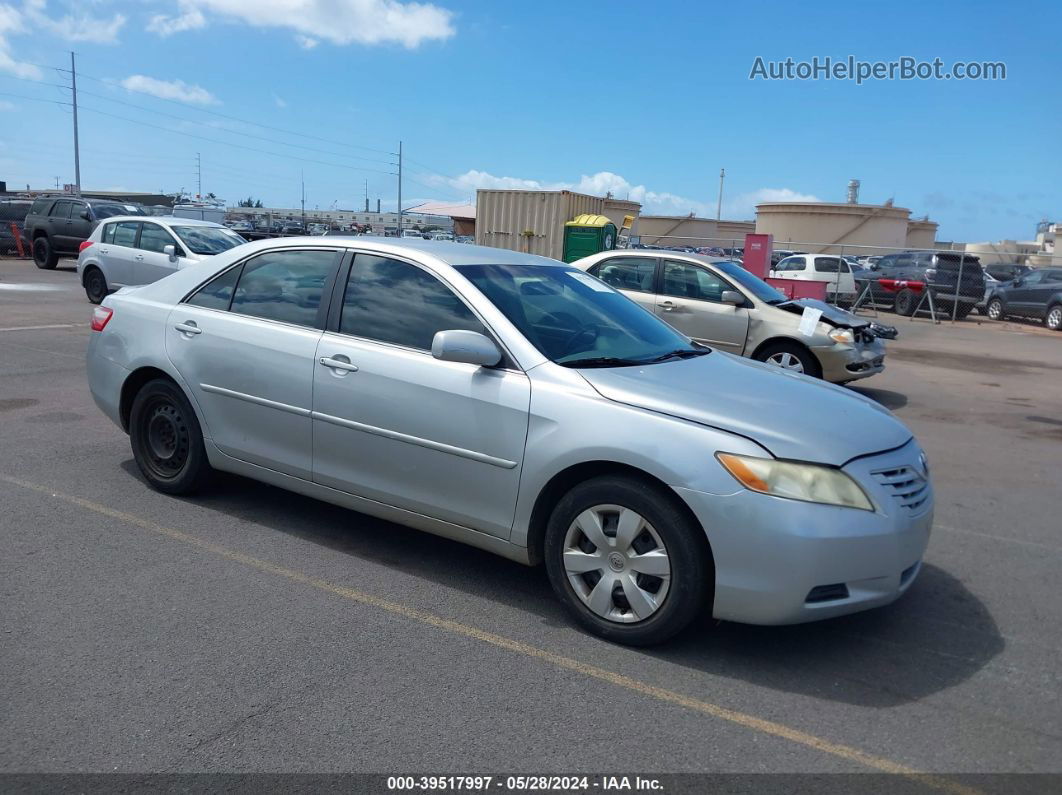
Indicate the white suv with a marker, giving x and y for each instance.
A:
(820, 268)
(131, 249)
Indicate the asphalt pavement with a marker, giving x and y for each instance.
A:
(253, 630)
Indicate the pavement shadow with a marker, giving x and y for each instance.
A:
(886, 397)
(937, 636)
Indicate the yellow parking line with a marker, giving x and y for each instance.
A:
(768, 727)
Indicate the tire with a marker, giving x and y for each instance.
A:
(166, 439)
(661, 604)
(43, 256)
(95, 285)
(790, 356)
(906, 301)
(1053, 318)
(963, 311)
(994, 310)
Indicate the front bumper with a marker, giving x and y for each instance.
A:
(842, 363)
(772, 554)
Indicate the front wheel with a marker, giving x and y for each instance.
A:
(791, 356)
(629, 564)
(166, 439)
(1054, 318)
(995, 309)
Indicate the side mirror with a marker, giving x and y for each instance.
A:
(84, 215)
(733, 297)
(469, 347)
(171, 252)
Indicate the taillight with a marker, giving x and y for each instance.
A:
(83, 246)
(101, 315)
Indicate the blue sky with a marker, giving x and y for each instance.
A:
(643, 99)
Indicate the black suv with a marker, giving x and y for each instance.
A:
(57, 225)
(13, 211)
(1034, 294)
(939, 270)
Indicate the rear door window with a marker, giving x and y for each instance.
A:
(627, 273)
(107, 235)
(826, 265)
(61, 210)
(217, 293)
(125, 233)
(286, 286)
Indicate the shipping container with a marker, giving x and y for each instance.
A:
(531, 221)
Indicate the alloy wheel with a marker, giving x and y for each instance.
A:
(616, 563)
(787, 361)
(1054, 318)
(995, 310)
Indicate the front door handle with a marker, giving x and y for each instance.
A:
(139, 257)
(338, 364)
(189, 328)
(667, 306)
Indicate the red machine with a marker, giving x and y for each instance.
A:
(757, 258)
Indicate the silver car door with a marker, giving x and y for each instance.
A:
(245, 344)
(150, 263)
(393, 424)
(691, 301)
(120, 251)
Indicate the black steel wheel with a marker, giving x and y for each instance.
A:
(166, 439)
(95, 285)
(43, 256)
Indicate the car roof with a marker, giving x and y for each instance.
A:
(659, 252)
(173, 220)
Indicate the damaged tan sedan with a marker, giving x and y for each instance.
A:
(719, 303)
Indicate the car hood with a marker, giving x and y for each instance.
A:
(832, 315)
(793, 416)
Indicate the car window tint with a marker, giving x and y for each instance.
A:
(125, 233)
(217, 293)
(684, 280)
(107, 235)
(284, 285)
(39, 206)
(154, 238)
(1032, 278)
(627, 273)
(826, 265)
(393, 301)
(61, 210)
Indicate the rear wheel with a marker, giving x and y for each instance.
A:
(95, 285)
(628, 563)
(43, 256)
(1053, 320)
(995, 309)
(791, 356)
(166, 439)
(906, 301)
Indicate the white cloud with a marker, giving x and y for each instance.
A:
(741, 207)
(169, 89)
(279, 101)
(337, 21)
(190, 18)
(32, 17)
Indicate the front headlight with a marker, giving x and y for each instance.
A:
(795, 481)
(842, 335)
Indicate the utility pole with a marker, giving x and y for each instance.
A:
(77, 150)
(400, 189)
(198, 176)
(303, 173)
(366, 195)
(57, 183)
(719, 206)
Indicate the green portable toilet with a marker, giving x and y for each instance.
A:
(586, 235)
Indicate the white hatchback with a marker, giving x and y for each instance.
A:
(820, 268)
(128, 250)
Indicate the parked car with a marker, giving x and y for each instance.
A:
(1004, 272)
(720, 304)
(128, 250)
(448, 236)
(465, 239)
(58, 225)
(412, 233)
(991, 284)
(939, 271)
(655, 478)
(13, 211)
(1036, 294)
(834, 271)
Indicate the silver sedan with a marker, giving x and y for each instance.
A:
(520, 405)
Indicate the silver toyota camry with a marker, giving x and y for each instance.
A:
(520, 405)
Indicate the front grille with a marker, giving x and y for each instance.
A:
(905, 484)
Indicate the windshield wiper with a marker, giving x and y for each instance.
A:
(602, 361)
(680, 353)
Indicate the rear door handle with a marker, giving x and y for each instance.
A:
(139, 257)
(667, 305)
(189, 328)
(105, 251)
(338, 364)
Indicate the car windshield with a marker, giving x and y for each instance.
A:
(207, 239)
(575, 319)
(111, 210)
(758, 287)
